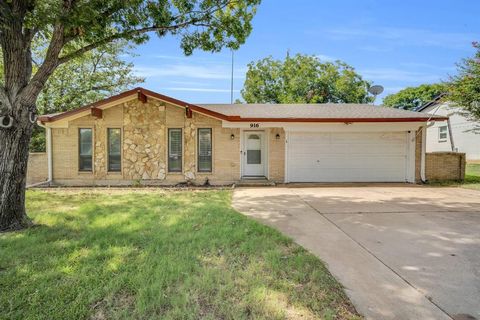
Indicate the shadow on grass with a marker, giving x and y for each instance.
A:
(171, 255)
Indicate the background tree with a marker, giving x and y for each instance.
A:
(464, 88)
(303, 79)
(413, 97)
(72, 29)
(85, 79)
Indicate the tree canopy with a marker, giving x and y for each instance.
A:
(85, 79)
(303, 79)
(72, 28)
(413, 97)
(464, 87)
(93, 76)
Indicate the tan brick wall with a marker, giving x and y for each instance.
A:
(37, 167)
(445, 166)
(276, 155)
(145, 139)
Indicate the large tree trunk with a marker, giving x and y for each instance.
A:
(14, 144)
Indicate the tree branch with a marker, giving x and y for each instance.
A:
(125, 34)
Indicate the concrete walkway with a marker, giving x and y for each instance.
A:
(377, 241)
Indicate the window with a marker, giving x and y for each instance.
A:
(254, 149)
(174, 150)
(442, 133)
(85, 149)
(204, 150)
(114, 136)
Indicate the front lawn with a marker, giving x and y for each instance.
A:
(156, 254)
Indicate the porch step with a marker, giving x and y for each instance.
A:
(259, 182)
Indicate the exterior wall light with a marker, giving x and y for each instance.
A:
(232, 136)
(277, 136)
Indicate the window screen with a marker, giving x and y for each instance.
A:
(442, 133)
(114, 150)
(204, 150)
(85, 149)
(175, 150)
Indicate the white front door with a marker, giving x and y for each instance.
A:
(254, 153)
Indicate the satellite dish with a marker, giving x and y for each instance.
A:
(375, 90)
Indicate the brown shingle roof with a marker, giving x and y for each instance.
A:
(268, 112)
(315, 111)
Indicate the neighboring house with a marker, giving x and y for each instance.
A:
(141, 135)
(461, 138)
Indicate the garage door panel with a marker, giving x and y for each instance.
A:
(351, 163)
(347, 157)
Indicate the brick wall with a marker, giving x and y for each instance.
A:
(445, 166)
(37, 168)
(144, 155)
(276, 155)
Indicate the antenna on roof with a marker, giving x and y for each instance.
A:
(375, 91)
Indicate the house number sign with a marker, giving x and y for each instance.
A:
(254, 125)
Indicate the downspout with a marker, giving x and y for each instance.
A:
(424, 144)
(48, 135)
(452, 143)
(423, 156)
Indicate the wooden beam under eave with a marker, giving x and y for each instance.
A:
(142, 97)
(188, 112)
(96, 112)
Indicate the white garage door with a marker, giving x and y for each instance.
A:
(347, 157)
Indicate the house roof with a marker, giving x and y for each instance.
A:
(435, 101)
(313, 111)
(265, 112)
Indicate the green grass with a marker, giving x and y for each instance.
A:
(153, 254)
(472, 176)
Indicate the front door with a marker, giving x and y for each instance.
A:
(254, 154)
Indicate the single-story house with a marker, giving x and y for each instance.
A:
(459, 134)
(141, 136)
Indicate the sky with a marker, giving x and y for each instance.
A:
(393, 43)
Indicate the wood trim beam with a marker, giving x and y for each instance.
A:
(96, 112)
(142, 97)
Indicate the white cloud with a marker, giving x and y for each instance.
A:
(324, 57)
(218, 72)
(200, 89)
(404, 37)
(392, 74)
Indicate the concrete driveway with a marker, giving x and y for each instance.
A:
(402, 252)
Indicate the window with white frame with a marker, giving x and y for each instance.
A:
(204, 151)
(442, 133)
(175, 150)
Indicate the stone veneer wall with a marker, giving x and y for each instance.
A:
(144, 140)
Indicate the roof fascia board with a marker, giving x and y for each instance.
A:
(329, 127)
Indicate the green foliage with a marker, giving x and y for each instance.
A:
(303, 79)
(88, 78)
(38, 141)
(153, 254)
(465, 86)
(414, 97)
(204, 24)
(85, 79)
